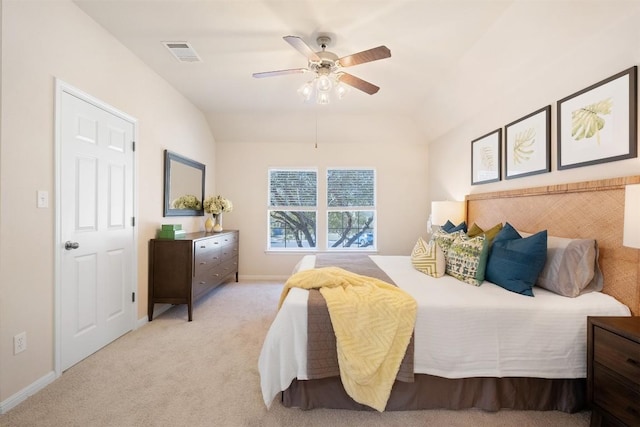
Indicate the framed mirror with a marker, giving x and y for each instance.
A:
(183, 186)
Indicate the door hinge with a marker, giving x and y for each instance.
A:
(133, 221)
(133, 145)
(133, 297)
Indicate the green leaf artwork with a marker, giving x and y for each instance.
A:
(523, 145)
(587, 121)
(486, 158)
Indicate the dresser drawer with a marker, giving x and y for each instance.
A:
(201, 285)
(228, 267)
(615, 396)
(208, 244)
(205, 260)
(229, 251)
(617, 353)
(229, 238)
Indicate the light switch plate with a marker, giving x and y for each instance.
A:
(43, 199)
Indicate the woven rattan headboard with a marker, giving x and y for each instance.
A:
(588, 210)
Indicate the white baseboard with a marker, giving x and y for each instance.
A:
(261, 278)
(30, 390)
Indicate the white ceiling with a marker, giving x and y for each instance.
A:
(437, 46)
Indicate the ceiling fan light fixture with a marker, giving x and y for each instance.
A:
(341, 90)
(306, 91)
(324, 84)
(323, 98)
(327, 68)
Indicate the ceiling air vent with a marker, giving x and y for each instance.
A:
(182, 51)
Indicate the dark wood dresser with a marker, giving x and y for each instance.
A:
(613, 370)
(182, 270)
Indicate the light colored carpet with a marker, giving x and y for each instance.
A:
(171, 372)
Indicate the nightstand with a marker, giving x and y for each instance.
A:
(613, 370)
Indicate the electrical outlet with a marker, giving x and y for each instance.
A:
(20, 343)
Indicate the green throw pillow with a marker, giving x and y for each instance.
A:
(467, 258)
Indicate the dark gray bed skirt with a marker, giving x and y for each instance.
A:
(431, 392)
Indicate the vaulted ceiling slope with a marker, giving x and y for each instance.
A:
(450, 58)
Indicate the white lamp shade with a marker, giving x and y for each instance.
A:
(444, 211)
(631, 236)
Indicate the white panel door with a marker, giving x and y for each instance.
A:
(96, 230)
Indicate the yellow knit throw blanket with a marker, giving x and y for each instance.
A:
(373, 322)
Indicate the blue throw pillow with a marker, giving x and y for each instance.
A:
(507, 233)
(447, 226)
(450, 228)
(462, 226)
(515, 263)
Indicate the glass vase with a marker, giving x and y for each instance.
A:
(218, 225)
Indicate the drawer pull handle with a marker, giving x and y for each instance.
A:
(202, 263)
(633, 362)
(203, 283)
(203, 247)
(216, 243)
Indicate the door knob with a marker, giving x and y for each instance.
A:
(69, 245)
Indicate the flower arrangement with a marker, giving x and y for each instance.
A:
(187, 202)
(217, 204)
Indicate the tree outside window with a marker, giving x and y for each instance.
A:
(351, 208)
(293, 209)
(293, 195)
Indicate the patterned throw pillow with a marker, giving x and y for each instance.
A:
(467, 259)
(444, 239)
(428, 258)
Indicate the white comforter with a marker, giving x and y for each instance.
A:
(461, 330)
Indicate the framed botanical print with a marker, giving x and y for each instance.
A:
(485, 158)
(527, 144)
(599, 123)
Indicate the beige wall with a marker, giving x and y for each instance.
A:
(41, 41)
(594, 44)
(391, 145)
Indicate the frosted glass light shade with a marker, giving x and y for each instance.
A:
(324, 84)
(447, 210)
(323, 98)
(305, 91)
(631, 236)
(341, 90)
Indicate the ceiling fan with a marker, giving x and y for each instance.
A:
(327, 68)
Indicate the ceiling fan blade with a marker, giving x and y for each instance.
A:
(374, 54)
(280, 72)
(302, 47)
(358, 83)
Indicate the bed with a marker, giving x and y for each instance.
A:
(482, 347)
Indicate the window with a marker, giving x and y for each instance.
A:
(293, 195)
(293, 209)
(351, 209)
